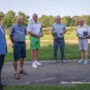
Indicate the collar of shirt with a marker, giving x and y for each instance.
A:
(1, 29)
(19, 25)
(82, 26)
(35, 22)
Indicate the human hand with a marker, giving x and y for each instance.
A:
(84, 37)
(38, 36)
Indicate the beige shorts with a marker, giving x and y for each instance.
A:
(83, 44)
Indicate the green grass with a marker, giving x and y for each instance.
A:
(46, 52)
(73, 87)
(70, 35)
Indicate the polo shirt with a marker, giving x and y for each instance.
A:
(81, 29)
(18, 32)
(34, 27)
(58, 28)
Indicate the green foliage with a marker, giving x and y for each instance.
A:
(46, 30)
(88, 20)
(9, 19)
(47, 21)
(25, 17)
(74, 20)
(66, 20)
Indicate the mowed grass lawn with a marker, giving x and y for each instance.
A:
(46, 52)
(72, 87)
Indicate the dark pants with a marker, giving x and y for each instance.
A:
(19, 50)
(1, 61)
(59, 42)
(1, 64)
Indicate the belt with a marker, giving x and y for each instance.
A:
(19, 42)
(82, 38)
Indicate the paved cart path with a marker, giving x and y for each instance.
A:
(48, 73)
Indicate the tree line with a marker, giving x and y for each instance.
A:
(10, 18)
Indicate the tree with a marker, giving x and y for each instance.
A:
(74, 20)
(2, 22)
(25, 17)
(88, 20)
(66, 20)
(9, 19)
(47, 20)
(43, 20)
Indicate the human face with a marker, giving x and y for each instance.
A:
(20, 20)
(81, 22)
(58, 19)
(35, 18)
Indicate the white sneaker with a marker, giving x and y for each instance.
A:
(38, 63)
(85, 62)
(80, 61)
(34, 65)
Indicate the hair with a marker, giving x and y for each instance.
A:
(34, 15)
(19, 16)
(80, 19)
(58, 16)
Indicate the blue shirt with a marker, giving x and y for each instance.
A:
(18, 32)
(59, 28)
(3, 45)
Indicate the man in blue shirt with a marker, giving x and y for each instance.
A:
(3, 47)
(17, 36)
(58, 30)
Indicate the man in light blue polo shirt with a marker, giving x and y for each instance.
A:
(58, 30)
(3, 47)
(17, 36)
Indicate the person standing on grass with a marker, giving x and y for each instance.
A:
(3, 47)
(35, 31)
(83, 40)
(58, 30)
(17, 36)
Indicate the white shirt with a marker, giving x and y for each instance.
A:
(34, 27)
(81, 29)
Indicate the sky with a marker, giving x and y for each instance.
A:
(47, 7)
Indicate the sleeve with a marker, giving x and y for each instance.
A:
(29, 27)
(25, 30)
